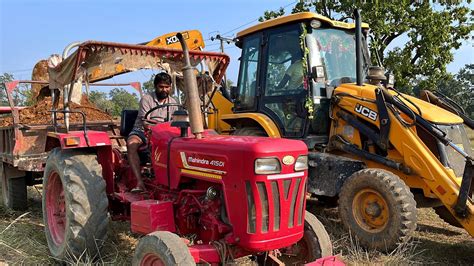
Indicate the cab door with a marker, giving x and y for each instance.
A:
(282, 92)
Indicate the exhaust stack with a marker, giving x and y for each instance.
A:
(358, 35)
(194, 109)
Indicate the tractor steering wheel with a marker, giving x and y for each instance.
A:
(153, 120)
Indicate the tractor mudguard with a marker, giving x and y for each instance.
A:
(327, 172)
(261, 119)
(81, 139)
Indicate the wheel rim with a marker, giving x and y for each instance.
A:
(296, 254)
(56, 208)
(151, 259)
(370, 210)
(4, 181)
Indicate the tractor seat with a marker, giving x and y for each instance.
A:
(127, 120)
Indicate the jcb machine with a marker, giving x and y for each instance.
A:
(208, 199)
(380, 152)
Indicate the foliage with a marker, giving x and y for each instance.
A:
(430, 33)
(148, 86)
(117, 100)
(22, 95)
(460, 88)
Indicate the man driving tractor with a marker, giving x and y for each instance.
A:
(136, 138)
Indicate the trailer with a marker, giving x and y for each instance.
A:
(24, 147)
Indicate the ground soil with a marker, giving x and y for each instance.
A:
(39, 114)
(22, 240)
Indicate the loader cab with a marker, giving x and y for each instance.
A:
(289, 63)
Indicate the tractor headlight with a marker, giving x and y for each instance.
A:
(301, 163)
(265, 166)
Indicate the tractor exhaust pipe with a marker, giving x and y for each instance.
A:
(358, 35)
(192, 102)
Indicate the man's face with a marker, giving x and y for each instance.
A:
(163, 90)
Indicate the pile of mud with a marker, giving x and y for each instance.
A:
(39, 114)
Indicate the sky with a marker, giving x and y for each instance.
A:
(33, 30)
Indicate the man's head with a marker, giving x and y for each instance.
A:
(162, 83)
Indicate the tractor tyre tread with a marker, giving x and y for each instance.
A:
(250, 131)
(169, 247)
(322, 237)
(400, 200)
(86, 201)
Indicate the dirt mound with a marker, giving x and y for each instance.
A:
(39, 114)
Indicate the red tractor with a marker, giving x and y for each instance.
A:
(208, 199)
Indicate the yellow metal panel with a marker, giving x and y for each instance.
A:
(220, 106)
(429, 111)
(193, 39)
(264, 121)
(297, 17)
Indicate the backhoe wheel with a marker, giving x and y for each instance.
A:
(13, 190)
(446, 216)
(315, 244)
(74, 204)
(378, 208)
(162, 248)
(250, 131)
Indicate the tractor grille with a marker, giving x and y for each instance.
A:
(274, 205)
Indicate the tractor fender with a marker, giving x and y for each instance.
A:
(328, 172)
(80, 139)
(252, 119)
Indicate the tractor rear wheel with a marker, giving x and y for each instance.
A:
(250, 131)
(162, 248)
(13, 190)
(378, 208)
(315, 244)
(446, 216)
(74, 204)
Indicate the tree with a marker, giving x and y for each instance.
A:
(22, 95)
(122, 99)
(100, 100)
(431, 32)
(148, 86)
(460, 88)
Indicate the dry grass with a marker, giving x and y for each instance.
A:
(22, 241)
(434, 242)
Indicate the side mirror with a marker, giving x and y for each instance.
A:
(317, 74)
(233, 92)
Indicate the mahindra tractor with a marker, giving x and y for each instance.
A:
(209, 198)
(376, 152)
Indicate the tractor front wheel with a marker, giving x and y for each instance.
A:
(74, 204)
(162, 248)
(378, 208)
(315, 244)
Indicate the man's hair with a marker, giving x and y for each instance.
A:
(162, 77)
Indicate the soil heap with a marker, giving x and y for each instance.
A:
(39, 114)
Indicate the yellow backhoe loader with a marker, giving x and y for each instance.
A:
(381, 153)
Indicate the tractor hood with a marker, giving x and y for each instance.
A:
(429, 111)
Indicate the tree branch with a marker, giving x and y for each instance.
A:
(389, 38)
(417, 55)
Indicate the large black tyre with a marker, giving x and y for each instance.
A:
(315, 244)
(446, 216)
(14, 193)
(74, 204)
(378, 208)
(162, 247)
(250, 131)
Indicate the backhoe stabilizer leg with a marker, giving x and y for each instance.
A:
(466, 189)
